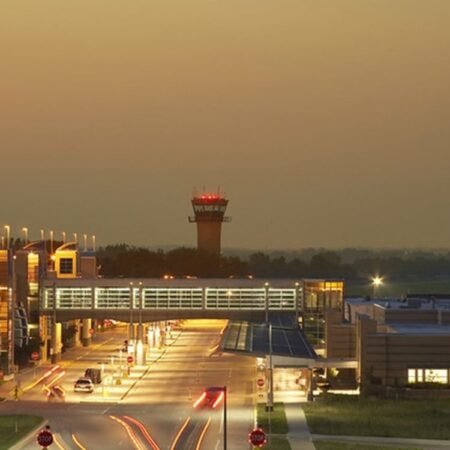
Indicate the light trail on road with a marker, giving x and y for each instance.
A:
(199, 400)
(78, 442)
(191, 434)
(144, 431)
(202, 435)
(130, 432)
(180, 432)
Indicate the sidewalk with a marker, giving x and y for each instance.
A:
(298, 435)
(24, 378)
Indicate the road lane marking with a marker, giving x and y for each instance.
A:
(78, 442)
(35, 383)
(180, 432)
(202, 435)
(56, 441)
(129, 432)
(144, 431)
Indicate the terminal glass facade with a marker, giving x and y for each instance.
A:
(318, 296)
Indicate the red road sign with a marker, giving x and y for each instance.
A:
(35, 356)
(257, 437)
(260, 382)
(45, 438)
(130, 359)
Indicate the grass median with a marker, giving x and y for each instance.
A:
(278, 419)
(8, 434)
(332, 445)
(354, 416)
(279, 426)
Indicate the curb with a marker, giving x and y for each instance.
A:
(31, 434)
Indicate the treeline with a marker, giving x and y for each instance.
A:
(129, 261)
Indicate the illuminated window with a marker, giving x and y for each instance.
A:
(428, 376)
(436, 376)
(66, 265)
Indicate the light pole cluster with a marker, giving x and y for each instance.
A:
(6, 239)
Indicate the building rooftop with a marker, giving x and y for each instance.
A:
(254, 338)
(419, 329)
(191, 282)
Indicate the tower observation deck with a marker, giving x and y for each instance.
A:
(209, 213)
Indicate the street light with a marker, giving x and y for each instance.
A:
(51, 242)
(63, 237)
(42, 234)
(25, 231)
(8, 233)
(377, 281)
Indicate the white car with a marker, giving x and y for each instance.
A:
(84, 385)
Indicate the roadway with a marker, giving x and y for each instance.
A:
(153, 408)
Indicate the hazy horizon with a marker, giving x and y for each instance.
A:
(326, 123)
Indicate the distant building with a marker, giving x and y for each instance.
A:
(209, 214)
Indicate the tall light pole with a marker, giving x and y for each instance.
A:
(63, 237)
(225, 418)
(93, 242)
(25, 232)
(269, 405)
(75, 237)
(8, 235)
(42, 234)
(377, 281)
(51, 242)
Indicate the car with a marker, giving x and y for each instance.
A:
(84, 385)
(210, 398)
(94, 374)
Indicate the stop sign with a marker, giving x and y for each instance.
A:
(35, 356)
(45, 438)
(260, 382)
(130, 359)
(257, 437)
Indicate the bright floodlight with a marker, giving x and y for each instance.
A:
(377, 281)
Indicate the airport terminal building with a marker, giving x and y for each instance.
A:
(396, 344)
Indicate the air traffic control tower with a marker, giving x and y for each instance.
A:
(209, 213)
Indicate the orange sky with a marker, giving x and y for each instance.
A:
(326, 123)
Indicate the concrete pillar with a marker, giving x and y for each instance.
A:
(140, 353)
(86, 332)
(131, 332)
(76, 338)
(43, 335)
(56, 344)
(139, 347)
(310, 395)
